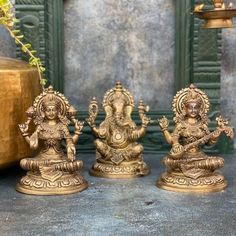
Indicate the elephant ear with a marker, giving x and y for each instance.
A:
(108, 111)
(128, 110)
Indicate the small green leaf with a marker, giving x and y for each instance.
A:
(16, 20)
(20, 36)
(27, 45)
(15, 31)
(43, 82)
(33, 62)
(42, 69)
(24, 49)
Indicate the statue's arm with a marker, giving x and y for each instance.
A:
(95, 130)
(33, 139)
(167, 136)
(93, 112)
(138, 133)
(78, 128)
(214, 138)
(98, 132)
(164, 124)
(70, 144)
(170, 138)
(222, 126)
(102, 130)
(24, 128)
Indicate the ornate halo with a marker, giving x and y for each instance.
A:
(108, 97)
(39, 100)
(178, 105)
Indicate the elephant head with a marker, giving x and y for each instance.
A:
(118, 109)
(118, 104)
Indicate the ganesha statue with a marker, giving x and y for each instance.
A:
(51, 171)
(189, 169)
(118, 155)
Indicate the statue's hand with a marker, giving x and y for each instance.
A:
(163, 123)
(223, 126)
(79, 126)
(216, 134)
(71, 151)
(93, 107)
(221, 122)
(91, 122)
(93, 112)
(141, 110)
(132, 125)
(24, 128)
(176, 150)
(145, 121)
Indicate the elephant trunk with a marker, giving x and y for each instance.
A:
(119, 119)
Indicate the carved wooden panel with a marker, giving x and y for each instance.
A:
(32, 23)
(41, 22)
(206, 66)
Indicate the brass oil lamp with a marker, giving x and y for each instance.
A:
(218, 17)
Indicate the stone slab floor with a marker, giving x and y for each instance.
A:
(119, 207)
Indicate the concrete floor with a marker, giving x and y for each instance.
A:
(119, 207)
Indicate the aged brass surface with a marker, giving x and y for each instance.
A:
(118, 155)
(219, 17)
(51, 172)
(19, 87)
(189, 169)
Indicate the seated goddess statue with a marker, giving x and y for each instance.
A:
(118, 155)
(189, 169)
(51, 171)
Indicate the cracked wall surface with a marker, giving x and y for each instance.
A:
(119, 40)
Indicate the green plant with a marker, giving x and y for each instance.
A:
(8, 19)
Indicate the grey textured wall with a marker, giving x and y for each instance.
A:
(127, 40)
(228, 75)
(7, 45)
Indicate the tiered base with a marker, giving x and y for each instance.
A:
(180, 183)
(124, 170)
(68, 183)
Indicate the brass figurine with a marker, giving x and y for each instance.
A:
(189, 169)
(218, 17)
(51, 171)
(118, 155)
